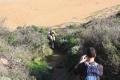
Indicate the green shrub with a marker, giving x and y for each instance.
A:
(40, 69)
(72, 57)
(12, 39)
(75, 50)
(64, 43)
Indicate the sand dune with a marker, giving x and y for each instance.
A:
(49, 12)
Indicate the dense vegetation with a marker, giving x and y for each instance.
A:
(27, 49)
(103, 34)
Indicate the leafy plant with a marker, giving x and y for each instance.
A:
(40, 69)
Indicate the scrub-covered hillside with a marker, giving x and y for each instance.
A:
(25, 53)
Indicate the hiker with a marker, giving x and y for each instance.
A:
(51, 37)
(87, 68)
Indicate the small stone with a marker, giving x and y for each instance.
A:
(4, 61)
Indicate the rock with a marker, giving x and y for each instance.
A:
(4, 61)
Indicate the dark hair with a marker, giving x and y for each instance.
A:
(91, 52)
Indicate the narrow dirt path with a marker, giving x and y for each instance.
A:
(59, 70)
(57, 62)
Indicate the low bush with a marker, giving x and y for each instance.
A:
(39, 69)
(64, 43)
(103, 35)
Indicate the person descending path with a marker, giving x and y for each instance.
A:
(51, 37)
(87, 68)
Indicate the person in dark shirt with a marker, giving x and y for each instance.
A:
(87, 68)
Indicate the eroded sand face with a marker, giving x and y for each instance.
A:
(49, 12)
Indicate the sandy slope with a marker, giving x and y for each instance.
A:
(49, 12)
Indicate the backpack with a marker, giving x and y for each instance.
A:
(93, 69)
(85, 70)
